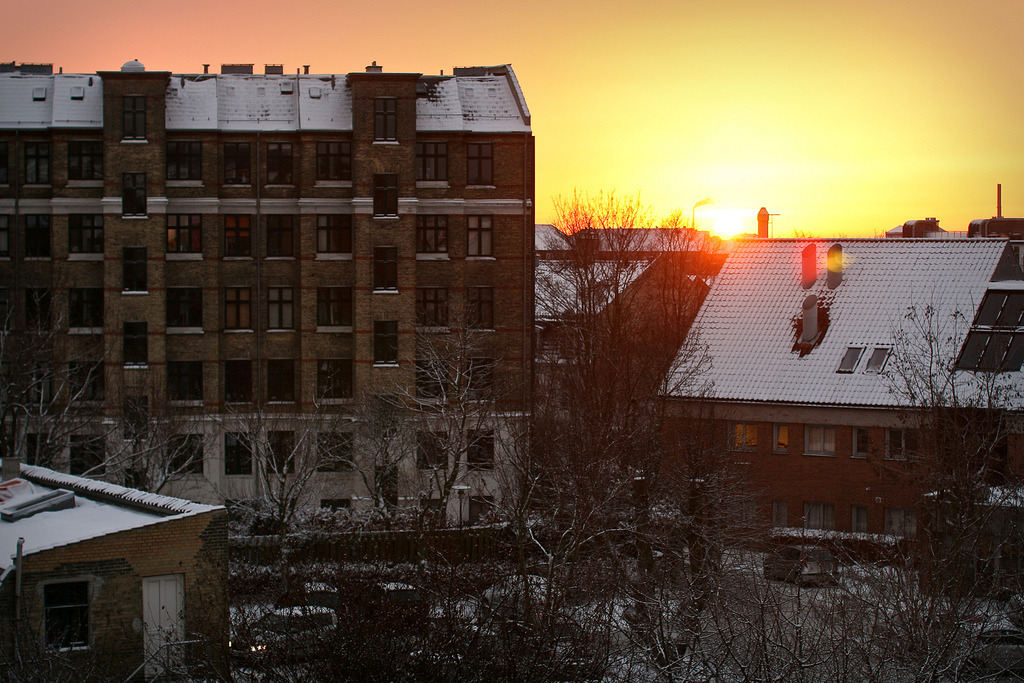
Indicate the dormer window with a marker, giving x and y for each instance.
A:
(877, 360)
(850, 359)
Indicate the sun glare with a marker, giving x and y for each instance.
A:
(724, 223)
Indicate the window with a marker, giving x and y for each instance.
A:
(479, 236)
(185, 380)
(900, 444)
(850, 359)
(819, 440)
(900, 522)
(876, 362)
(430, 451)
(780, 513)
(334, 234)
(743, 436)
(5, 174)
(385, 342)
(135, 343)
(281, 380)
(85, 379)
(430, 379)
(334, 378)
(37, 236)
(184, 160)
(481, 375)
(238, 381)
(66, 614)
(385, 118)
(238, 235)
(333, 160)
(133, 194)
(479, 163)
(237, 454)
(280, 308)
(184, 307)
(185, 233)
(1001, 309)
(480, 301)
(820, 516)
(237, 301)
(280, 236)
(279, 163)
(5, 308)
(432, 234)
(133, 119)
(86, 454)
(781, 438)
(37, 307)
(334, 306)
(282, 451)
(385, 194)
(85, 160)
(133, 269)
(432, 306)
(185, 453)
(480, 450)
(860, 442)
(431, 161)
(85, 307)
(37, 163)
(236, 163)
(992, 352)
(859, 519)
(385, 268)
(5, 235)
(85, 233)
(333, 451)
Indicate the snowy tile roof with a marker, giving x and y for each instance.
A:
(36, 101)
(748, 319)
(560, 285)
(100, 508)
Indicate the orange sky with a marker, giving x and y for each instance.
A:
(844, 118)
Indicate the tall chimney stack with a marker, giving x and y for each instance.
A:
(999, 200)
(762, 222)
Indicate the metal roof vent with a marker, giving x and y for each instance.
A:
(835, 266)
(809, 266)
(810, 318)
(133, 65)
(374, 69)
(61, 499)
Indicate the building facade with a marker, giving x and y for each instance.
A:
(251, 257)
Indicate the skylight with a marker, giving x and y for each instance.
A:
(877, 360)
(996, 340)
(850, 359)
(1001, 309)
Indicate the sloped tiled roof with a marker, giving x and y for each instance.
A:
(748, 320)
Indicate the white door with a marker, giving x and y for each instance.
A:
(163, 608)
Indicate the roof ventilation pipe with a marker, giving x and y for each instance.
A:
(810, 318)
(762, 222)
(835, 265)
(809, 265)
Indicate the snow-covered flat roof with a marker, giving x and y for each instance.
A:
(748, 320)
(100, 508)
(38, 101)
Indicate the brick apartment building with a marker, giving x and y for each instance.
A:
(801, 337)
(218, 246)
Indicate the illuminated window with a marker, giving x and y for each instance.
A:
(743, 436)
(185, 233)
(237, 302)
(781, 441)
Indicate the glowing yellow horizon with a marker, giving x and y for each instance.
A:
(843, 118)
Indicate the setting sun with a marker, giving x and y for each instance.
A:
(726, 223)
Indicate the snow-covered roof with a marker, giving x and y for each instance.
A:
(38, 101)
(100, 508)
(749, 319)
(559, 285)
(547, 237)
(475, 99)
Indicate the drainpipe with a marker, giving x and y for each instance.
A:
(255, 315)
(17, 597)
